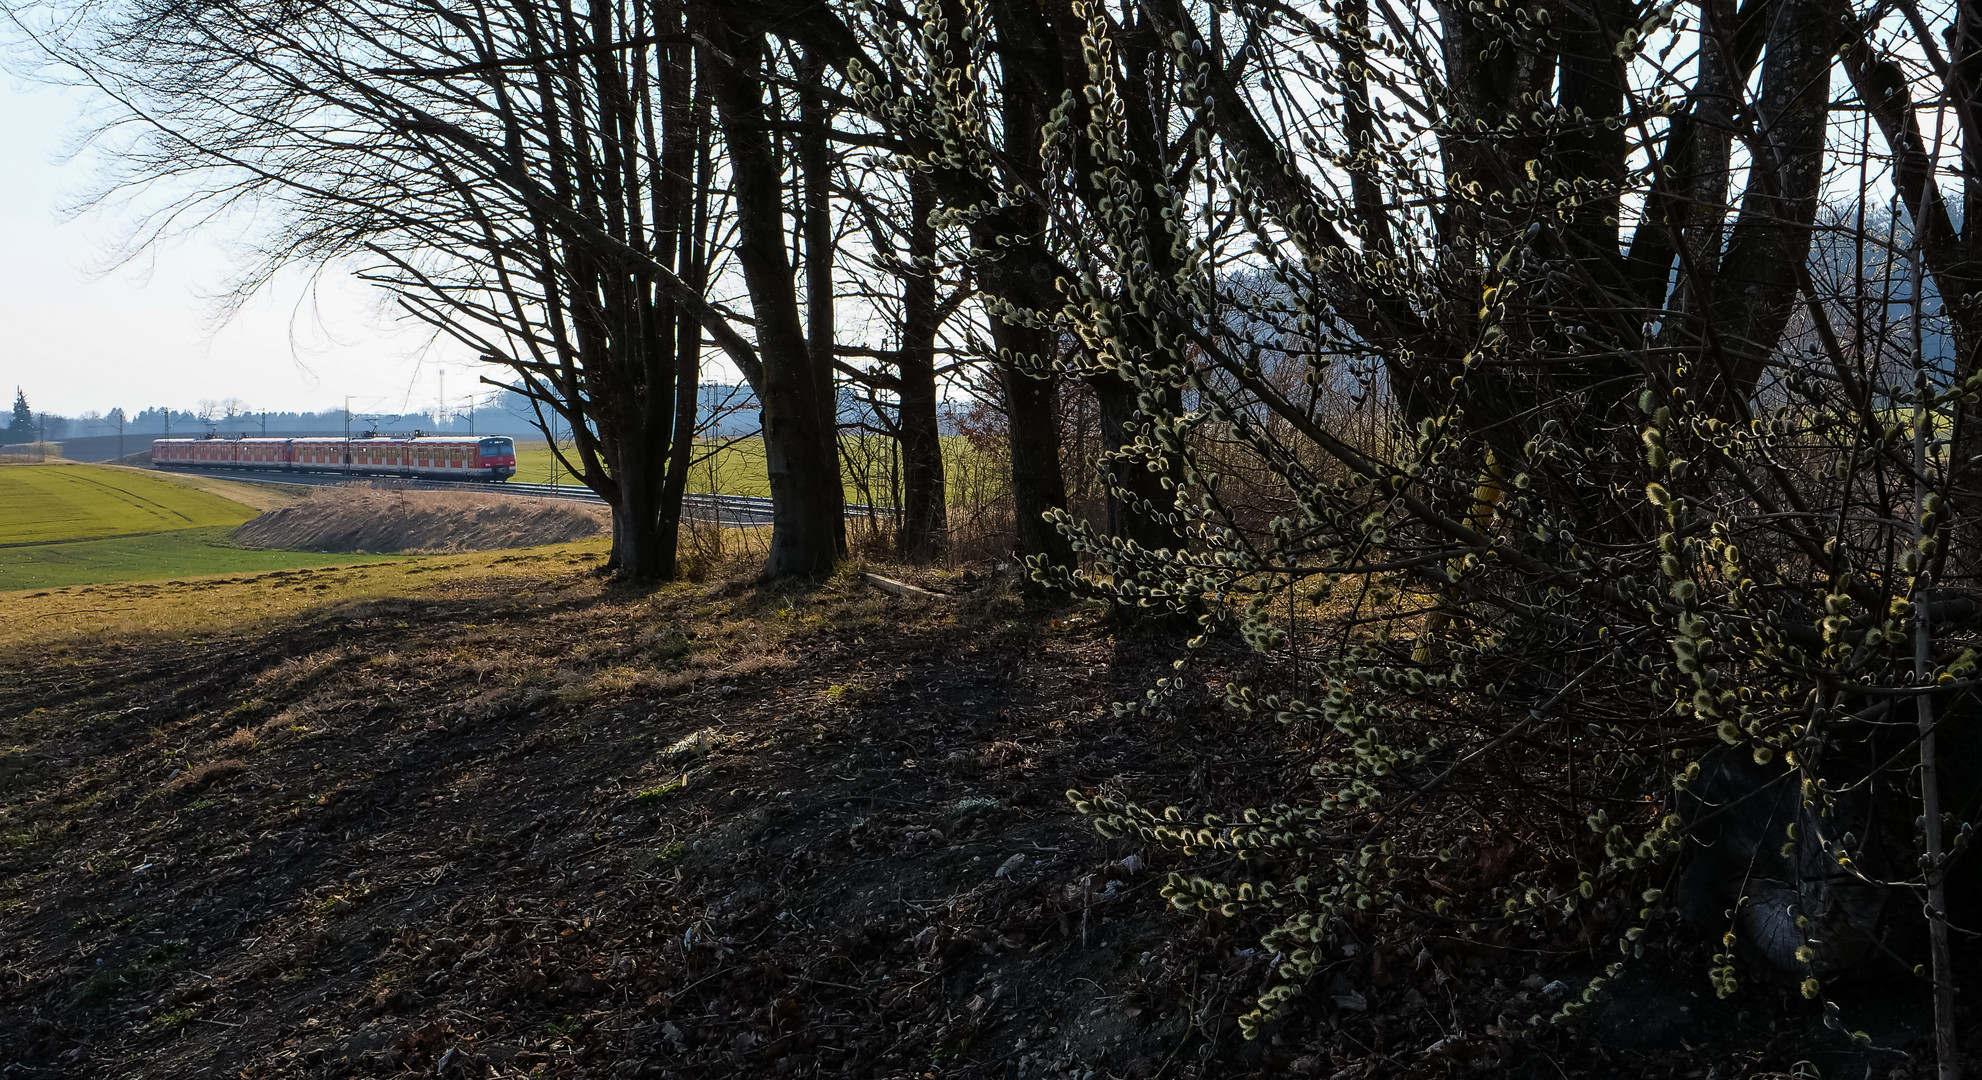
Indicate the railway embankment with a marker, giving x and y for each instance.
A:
(353, 519)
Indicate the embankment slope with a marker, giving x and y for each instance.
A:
(353, 519)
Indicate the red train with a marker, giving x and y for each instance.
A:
(491, 457)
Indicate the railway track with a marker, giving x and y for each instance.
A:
(722, 509)
(744, 510)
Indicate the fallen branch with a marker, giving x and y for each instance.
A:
(900, 588)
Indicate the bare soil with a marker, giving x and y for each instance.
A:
(352, 519)
(535, 825)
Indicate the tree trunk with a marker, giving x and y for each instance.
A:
(1759, 279)
(925, 520)
(1015, 264)
(1139, 508)
(687, 167)
(681, 448)
(808, 525)
(642, 544)
(816, 181)
(1019, 269)
(1033, 436)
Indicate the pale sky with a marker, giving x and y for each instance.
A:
(78, 338)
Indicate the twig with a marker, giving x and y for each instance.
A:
(899, 588)
(217, 1023)
(1946, 1049)
(1535, 714)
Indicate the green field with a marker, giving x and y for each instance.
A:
(42, 503)
(64, 525)
(150, 557)
(736, 467)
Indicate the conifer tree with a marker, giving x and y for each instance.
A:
(21, 428)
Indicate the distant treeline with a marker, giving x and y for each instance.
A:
(727, 411)
(731, 410)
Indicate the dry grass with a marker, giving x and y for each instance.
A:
(357, 519)
(48, 620)
(204, 775)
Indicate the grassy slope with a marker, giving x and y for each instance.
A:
(132, 610)
(175, 553)
(80, 524)
(256, 496)
(52, 503)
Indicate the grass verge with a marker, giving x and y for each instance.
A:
(135, 609)
(149, 556)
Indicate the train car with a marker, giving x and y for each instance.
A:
(491, 457)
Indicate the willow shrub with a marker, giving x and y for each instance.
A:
(1562, 516)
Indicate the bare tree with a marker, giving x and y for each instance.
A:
(918, 293)
(533, 179)
(898, 81)
(791, 371)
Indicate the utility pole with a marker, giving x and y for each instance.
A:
(347, 433)
(120, 432)
(440, 406)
